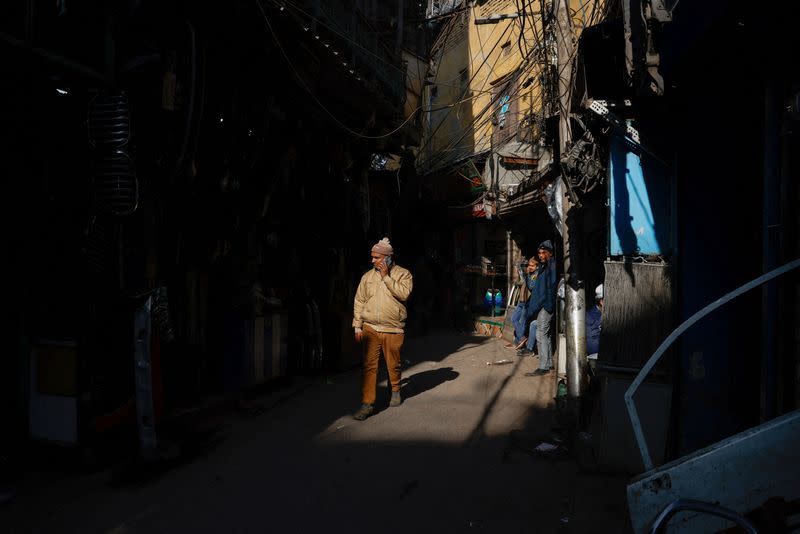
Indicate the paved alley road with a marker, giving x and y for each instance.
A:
(441, 462)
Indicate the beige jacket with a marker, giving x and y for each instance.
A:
(380, 302)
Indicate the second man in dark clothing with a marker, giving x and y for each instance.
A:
(543, 299)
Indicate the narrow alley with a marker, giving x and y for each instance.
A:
(456, 456)
(359, 266)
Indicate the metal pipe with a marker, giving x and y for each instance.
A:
(628, 34)
(509, 266)
(688, 505)
(575, 335)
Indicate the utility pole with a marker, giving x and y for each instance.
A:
(575, 320)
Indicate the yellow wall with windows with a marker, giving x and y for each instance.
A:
(471, 65)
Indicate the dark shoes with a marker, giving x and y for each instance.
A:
(395, 400)
(365, 411)
(539, 372)
(368, 409)
(524, 352)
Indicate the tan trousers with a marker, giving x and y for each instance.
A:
(376, 342)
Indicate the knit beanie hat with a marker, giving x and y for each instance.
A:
(383, 247)
(546, 245)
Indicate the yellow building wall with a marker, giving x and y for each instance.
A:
(445, 115)
(472, 63)
(416, 68)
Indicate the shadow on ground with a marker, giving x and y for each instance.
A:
(425, 381)
(303, 464)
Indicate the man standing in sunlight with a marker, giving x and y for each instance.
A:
(379, 317)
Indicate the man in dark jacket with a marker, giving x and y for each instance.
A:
(543, 301)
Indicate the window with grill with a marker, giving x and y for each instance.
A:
(506, 117)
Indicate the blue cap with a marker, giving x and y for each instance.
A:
(546, 245)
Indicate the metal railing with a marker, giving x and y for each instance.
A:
(687, 505)
(632, 413)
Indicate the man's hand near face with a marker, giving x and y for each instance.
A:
(383, 268)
